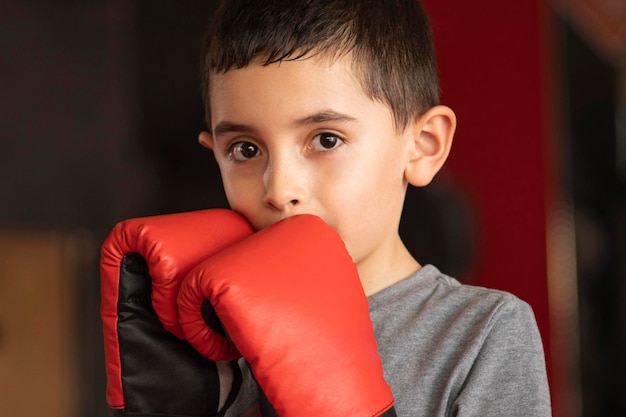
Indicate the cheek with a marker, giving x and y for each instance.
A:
(367, 205)
(247, 207)
(241, 192)
(349, 204)
(371, 183)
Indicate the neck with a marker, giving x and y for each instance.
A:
(382, 270)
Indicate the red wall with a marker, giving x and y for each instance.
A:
(492, 59)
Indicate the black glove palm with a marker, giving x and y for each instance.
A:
(161, 374)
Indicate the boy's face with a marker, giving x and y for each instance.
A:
(302, 137)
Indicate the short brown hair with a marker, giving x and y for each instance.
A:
(390, 42)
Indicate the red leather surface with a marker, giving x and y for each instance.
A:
(291, 300)
(172, 245)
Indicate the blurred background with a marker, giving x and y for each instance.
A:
(99, 114)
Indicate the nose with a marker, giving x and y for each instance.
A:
(284, 187)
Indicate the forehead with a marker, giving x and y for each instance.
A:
(286, 89)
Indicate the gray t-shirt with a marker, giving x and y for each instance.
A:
(457, 350)
(453, 350)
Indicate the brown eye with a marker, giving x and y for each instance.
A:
(326, 142)
(242, 151)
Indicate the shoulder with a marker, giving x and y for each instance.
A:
(430, 292)
(499, 314)
(492, 305)
(431, 311)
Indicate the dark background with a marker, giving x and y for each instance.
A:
(100, 110)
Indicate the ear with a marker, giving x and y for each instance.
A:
(206, 139)
(430, 139)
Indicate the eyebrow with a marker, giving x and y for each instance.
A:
(226, 127)
(324, 116)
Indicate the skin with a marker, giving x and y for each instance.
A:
(302, 137)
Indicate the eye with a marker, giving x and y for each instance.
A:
(326, 142)
(242, 151)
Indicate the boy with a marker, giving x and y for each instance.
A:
(326, 108)
(331, 108)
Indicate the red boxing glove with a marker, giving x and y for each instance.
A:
(149, 368)
(291, 301)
